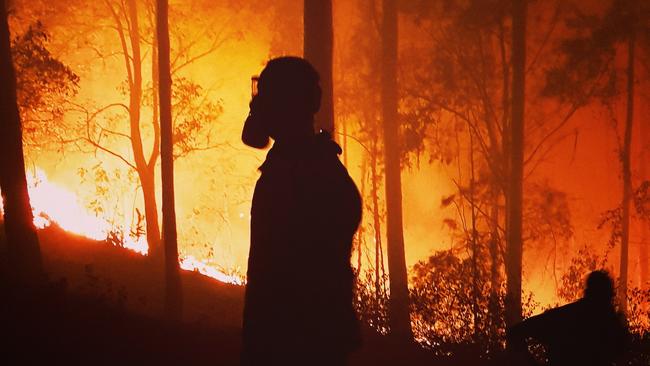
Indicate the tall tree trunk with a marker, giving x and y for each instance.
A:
(146, 171)
(147, 181)
(318, 46)
(23, 247)
(400, 320)
(514, 244)
(474, 242)
(644, 261)
(361, 232)
(173, 296)
(376, 221)
(627, 178)
(495, 281)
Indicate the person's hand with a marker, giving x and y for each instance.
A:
(254, 134)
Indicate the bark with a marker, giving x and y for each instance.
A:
(376, 223)
(495, 280)
(627, 179)
(173, 295)
(318, 46)
(514, 243)
(474, 242)
(398, 310)
(22, 241)
(644, 261)
(145, 168)
(147, 181)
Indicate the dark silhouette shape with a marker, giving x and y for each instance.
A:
(173, 287)
(298, 305)
(586, 332)
(24, 253)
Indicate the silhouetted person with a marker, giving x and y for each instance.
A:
(298, 304)
(587, 332)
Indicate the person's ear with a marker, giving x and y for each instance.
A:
(316, 101)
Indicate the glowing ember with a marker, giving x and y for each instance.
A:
(52, 203)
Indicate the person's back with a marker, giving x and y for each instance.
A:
(305, 211)
(586, 332)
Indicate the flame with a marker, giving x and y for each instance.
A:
(52, 203)
(190, 263)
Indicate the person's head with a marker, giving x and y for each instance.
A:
(599, 287)
(288, 96)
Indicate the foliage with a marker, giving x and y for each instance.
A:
(108, 199)
(195, 116)
(371, 301)
(572, 281)
(584, 70)
(43, 85)
(587, 68)
(638, 311)
(453, 309)
(612, 218)
(641, 200)
(547, 214)
(447, 281)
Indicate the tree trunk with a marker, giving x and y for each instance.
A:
(400, 321)
(376, 222)
(146, 171)
(495, 282)
(23, 247)
(474, 242)
(147, 181)
(318, 45)
(514, 244)
(627, 178)
(644, 261)
(173, 296)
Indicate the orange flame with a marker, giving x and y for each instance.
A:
(52, 203)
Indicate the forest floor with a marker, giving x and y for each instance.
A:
(103, 305)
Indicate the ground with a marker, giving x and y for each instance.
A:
(102, 305)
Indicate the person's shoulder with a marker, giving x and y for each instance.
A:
(325, 144)
(326, 151)
(567, 309)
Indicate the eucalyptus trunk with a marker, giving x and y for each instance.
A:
(645, 225)
(627, 179)
(173, 294)
(514, 243)
(23, 246)
(398, 309)
(318, 46)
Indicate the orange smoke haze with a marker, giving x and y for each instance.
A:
(91, 192)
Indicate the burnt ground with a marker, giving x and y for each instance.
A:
(102, 305)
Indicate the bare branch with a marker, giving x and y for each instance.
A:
(111, 152)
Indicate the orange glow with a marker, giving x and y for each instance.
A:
(54, 204)
(214, 184)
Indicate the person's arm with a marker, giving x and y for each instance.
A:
(534, 327)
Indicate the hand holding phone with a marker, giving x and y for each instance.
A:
(254, 134)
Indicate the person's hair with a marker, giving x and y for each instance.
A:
(599, 286)
(292, 84)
